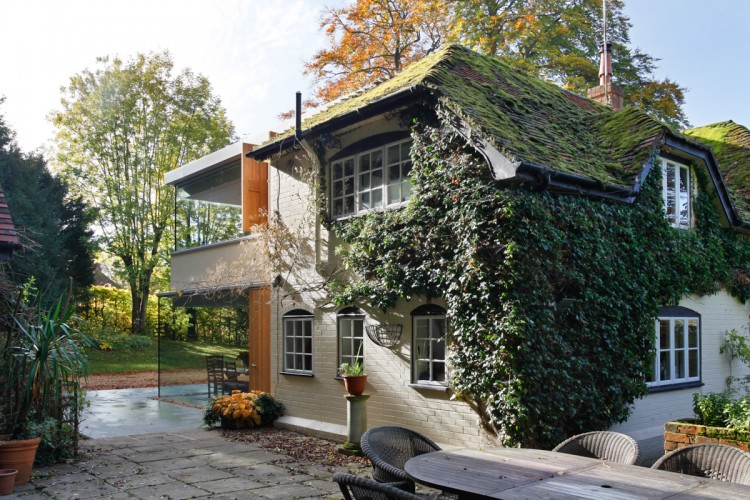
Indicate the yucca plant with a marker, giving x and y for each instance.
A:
(43, 360)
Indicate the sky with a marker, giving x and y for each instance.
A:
(252, 51)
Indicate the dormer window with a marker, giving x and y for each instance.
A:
(677, 193)
(371, 180)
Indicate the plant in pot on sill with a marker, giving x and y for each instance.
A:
(355, 378)
(41, 362)
(242, 410)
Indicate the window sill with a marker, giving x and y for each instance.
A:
(674, 387)
(430, 387)
(297, 374)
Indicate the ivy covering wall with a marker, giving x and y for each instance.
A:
(551, 297)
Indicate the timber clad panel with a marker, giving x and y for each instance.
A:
(254, 190)
(259, 339)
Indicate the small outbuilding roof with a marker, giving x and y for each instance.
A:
(8, 235)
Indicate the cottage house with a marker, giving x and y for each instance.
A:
(354, 158)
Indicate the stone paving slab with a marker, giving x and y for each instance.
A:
(195, 463)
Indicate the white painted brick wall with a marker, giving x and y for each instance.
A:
(719, 312)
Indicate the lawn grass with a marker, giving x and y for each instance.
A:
(174, 354)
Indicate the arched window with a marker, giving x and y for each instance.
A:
(298, 328)
(428, 345)
(351, 327)
(678, 341)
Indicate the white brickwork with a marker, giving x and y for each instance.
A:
(320, 397)
(719, 312)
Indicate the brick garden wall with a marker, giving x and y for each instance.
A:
(679, 434)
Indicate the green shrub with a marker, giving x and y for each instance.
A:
(718, 409)
(109, 340)
(737, 414)
(709, 407)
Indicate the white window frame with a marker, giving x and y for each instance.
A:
(673, 195)
(351, 180)
(351, 336)
(674, 348)
(298, 343)
(432, 358)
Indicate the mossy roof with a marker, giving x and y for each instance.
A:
(522, 116)
(730, 143)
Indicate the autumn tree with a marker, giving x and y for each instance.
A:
(560, 40)
(121, 127)
(374, 39)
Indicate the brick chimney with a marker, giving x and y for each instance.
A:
(607, 92)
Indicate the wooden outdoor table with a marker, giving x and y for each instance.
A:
(515, 473)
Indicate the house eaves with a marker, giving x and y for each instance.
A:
(375, 107)
(730, 144)
(205, 165)
(527, 129)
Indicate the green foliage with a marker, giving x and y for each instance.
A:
(352, 369)
(735, 346)
(58, 441)
(718, 409)
(269, 408)
(738, 414)
(503, 257)
(120, 128)
(53, 225)
(49, 354)
(709, 408)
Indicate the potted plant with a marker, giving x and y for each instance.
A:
(241, 410)
(355, 379)
(40, 360)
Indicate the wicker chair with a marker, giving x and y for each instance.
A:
(606, 445)
(388, 448)
(360, 488)
(716, 461)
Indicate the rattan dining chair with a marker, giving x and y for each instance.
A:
(607, 445)
(360, 488)
(716, 461)
(388, 448)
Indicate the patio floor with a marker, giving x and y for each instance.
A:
(125, 412)
(196, 463)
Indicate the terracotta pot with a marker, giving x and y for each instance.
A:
(19, 454)
(7, 480)
(355, 385)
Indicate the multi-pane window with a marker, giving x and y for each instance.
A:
(351, 326)
(371, 180)
(677, 357)
(428, 348)
(298, 342)
(676, 189)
